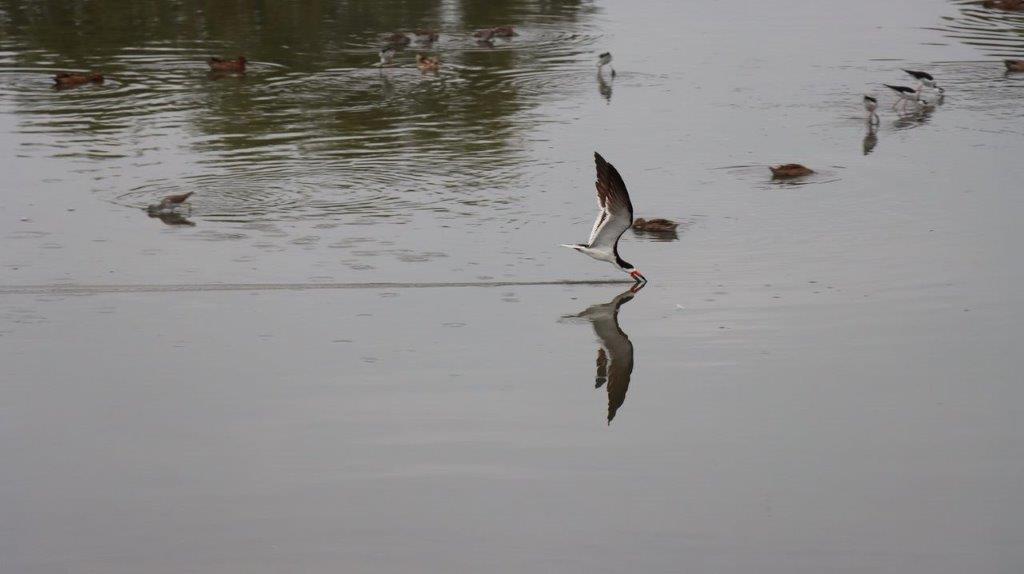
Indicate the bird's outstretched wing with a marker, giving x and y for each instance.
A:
(616, 210)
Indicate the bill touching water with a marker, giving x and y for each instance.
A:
(362, 349)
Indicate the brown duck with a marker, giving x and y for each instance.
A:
(504, 31)
(426, 35)
(398, 39)
(1014, 65)
(790, 170)
(654, 225)
(70, 80)
(484, 35)
(1009, 5)
(219, 65)
(428, 63)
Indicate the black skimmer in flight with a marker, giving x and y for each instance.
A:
(615, 218)
(906, 95)
(603, 60)
(871, 104)
(615, 355)
(925, 79)
(387, 56)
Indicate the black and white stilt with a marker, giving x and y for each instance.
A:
(871, 104)
(906, 95)
(925, 80)
(387, 56)
(615, 217)
(603, 60)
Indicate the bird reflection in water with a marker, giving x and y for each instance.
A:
(604, 87)
(870, 139)
(615, 355)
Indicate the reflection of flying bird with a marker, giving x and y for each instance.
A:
(615, 218)
(615, 355)
(925, 79)
(871, 104)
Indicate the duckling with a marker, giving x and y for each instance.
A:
(220, 65)
(790, 170)
(71, 80)
(504, 31)
(398, 39)
(428, 64)
(170, 202)
(427, 36)
(654, 225)
(1014, 65)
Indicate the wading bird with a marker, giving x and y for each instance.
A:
(871, 104)
(906, 95)
(171, 202)
(615, 217)
(925, 80)
(387, 56)
(603, 60)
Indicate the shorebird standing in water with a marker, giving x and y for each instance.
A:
(925, 80)
(171, 202)
(871, 104)
(615, 218)
(603, 60)
(905, 95)
(387, 56)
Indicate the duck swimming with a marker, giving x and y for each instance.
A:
(428, 63)
(426, 35)
(790, 170)
(504, 31)
(654, 225)
(71, 80)
(1014, 65)
(221, 65)
(398, 39)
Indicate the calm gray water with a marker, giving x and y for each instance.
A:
(339, 362)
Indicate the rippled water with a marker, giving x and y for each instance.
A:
(363, 349)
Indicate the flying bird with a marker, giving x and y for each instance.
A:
(615, 217)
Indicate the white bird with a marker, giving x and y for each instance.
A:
(603, 60)
(906, 95)
(387, 56)
(615, 218)
(870, 104)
